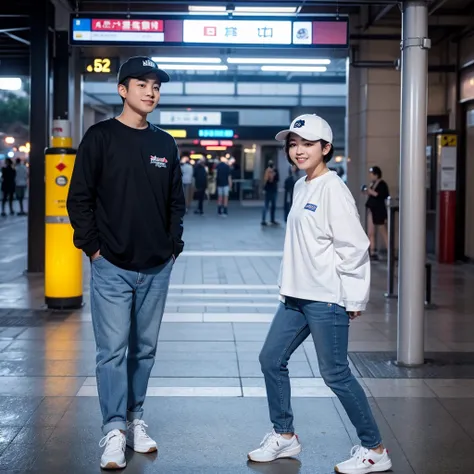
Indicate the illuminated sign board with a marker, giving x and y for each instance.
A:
(178, 133)
(117, 30)
(210, 133)
(238, 32)
(101, 65)
(315, 32)
(190, 118)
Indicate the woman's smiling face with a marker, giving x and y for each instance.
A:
(305, 154)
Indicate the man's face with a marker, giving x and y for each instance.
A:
(142, 94)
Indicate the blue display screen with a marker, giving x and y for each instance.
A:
(210, 133)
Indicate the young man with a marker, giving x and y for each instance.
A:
(126, 205)
(21, 183)
(224, 184)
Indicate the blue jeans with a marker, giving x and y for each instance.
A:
(328, 323)
(270, 203)
(127, 309)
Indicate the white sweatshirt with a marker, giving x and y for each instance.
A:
(325, 256)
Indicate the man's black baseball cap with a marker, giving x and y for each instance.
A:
(138, 66)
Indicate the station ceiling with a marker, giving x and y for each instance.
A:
(449, 19)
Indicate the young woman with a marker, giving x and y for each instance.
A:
(324, 282)
(377, 193)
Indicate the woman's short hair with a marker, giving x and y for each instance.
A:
(376, 171)
(327, 158)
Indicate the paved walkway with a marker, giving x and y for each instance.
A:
(206, 404)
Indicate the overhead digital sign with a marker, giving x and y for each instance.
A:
(311, 33)
(217, 133)
(102, 65)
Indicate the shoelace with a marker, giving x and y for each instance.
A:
(141, 425)
(111, 447)
(359, 452)
(267, 439)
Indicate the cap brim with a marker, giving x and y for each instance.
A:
(280, 136)
(162, 75)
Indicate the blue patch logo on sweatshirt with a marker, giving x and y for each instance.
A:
(311, 207)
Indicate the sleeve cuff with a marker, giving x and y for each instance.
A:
(354, 306)
(91, 248)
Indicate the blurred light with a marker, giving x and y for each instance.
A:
(9, 140)
(177, 133)
(10, 83)
(295, 68)
(239, 10)
(177, 59)
(192, 67)
(196, 156)
(209, 143)
(338, 159)
(11, 154)
(264, 10)
(226, 143)
(208, 157)
(278, 61)
(207, 8)
(216, 148)
(22, 149)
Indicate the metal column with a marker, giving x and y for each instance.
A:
(414, 46)
(39, 132)
(61, 76)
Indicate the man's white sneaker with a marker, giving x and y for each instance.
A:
(274, 446)
(114, 453)
(364, 461)
(137, 438)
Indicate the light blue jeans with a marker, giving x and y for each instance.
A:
(328, 324)
(127, 309)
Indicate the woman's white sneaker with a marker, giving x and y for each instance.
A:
(365, 461)
(275, 446)
(138, 439)
(114, 453)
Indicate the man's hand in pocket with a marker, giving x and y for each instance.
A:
(95, 256)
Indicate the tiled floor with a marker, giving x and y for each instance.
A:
(206, 402)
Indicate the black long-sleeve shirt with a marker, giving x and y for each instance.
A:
(126, 195)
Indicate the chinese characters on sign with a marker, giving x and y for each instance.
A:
(265, 32)
(255, 32)
(238, 31)
(190, 118)
(128, 25)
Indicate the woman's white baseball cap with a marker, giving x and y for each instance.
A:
(310, 127)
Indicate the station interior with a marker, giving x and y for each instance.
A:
(394, 80)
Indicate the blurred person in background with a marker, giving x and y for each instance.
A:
(8, 186)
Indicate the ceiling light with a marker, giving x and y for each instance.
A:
(277, 61)
(264, 10)
(207, 9)
(10, 83)
(192, 67)
(185, 60)
(294, 68)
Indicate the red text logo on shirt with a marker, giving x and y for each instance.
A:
(158, 162)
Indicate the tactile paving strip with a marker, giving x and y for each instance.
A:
(438, 365)
(29, 318)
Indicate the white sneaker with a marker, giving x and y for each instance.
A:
(114, 453)
(364, 461)
(137, 438)
(274, 446)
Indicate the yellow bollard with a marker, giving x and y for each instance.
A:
(63, 261)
